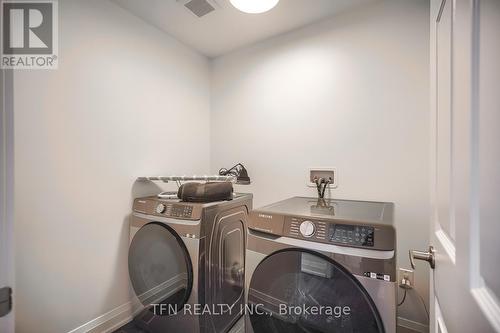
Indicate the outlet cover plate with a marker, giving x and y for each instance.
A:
(324, 173)
(409, 274)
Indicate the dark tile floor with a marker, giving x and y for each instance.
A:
(402, 329)
(129, 328)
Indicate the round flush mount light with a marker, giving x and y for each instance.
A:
(254, 6)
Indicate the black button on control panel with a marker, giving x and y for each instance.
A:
(352, 235)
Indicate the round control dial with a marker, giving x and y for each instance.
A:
(307, 228)
(160, 208)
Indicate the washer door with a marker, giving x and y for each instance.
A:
(160, 268)
(298, 290)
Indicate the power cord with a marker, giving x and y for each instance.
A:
(423, 303)
(324, 188)
(318, 186)
(234, 171)
(404, 298)
(406, 284)
(239, 171)
(420, 297)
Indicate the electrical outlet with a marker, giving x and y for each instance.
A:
(406, 278)
(325, 173)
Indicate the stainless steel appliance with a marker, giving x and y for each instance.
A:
(184, 257)
(334, 257)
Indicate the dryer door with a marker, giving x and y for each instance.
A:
(160, 268)
(297, 290)
(227, 266)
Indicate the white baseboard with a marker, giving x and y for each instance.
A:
(121, 315)
(111, 320)
(412, 325)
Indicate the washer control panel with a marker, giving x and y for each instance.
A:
(328, 232)
(352, 235)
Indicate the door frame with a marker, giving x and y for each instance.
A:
(7, 190)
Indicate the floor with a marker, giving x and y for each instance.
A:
(131, 328)
(402, 329)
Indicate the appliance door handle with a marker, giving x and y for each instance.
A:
(429, 256)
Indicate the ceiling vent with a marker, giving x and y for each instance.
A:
(199, 8)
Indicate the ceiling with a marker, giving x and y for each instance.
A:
(227, 29)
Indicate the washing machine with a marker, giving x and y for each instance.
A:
(184, 260)
(321, 266)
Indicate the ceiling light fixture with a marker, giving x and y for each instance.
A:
(254, 6)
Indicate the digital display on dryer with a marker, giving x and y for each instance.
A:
(352, 235)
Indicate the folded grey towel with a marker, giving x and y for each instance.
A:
(207, 192)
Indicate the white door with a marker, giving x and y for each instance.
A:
(6, 203)
(465, 97)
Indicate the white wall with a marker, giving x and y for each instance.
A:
(119, 106)
(350, 92)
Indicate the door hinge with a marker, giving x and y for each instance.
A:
(5, 301)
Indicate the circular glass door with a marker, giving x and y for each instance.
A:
(297, 290)
(160, 269)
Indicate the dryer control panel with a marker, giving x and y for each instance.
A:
(180, 211)
(166, 208)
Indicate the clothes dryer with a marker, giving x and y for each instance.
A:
(185, 258)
